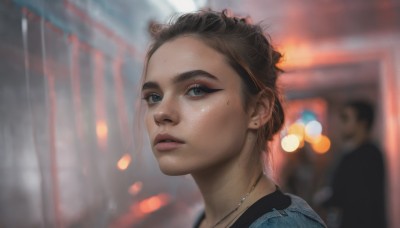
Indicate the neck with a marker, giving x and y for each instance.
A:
(222, 189)
(359, 138)
(224, 185)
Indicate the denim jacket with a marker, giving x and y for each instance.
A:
(298, 214)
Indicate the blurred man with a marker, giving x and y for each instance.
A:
(357, 188)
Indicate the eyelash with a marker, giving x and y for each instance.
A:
(204, 89)
(147, 97)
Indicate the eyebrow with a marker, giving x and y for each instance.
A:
(185, 76)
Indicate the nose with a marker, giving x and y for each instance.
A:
(166, 113)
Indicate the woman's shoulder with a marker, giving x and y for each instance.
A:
(298, 214)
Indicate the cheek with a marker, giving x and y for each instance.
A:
(348, 127)
(149, 121)
(220, 123)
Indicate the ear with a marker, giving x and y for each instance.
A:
(261, 110)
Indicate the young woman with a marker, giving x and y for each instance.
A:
(212, 104)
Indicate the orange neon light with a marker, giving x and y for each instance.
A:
(135, 188)
(153, 203)
(124, 162)
(101, 130)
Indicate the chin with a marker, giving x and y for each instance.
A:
(347, 137)
(171, 170)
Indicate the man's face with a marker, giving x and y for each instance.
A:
(349, 124)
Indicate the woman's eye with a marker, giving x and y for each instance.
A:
(198, 90)
(152, 98)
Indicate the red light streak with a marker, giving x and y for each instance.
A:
(153, 203)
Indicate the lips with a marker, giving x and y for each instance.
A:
(166, 142)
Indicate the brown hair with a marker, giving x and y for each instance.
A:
(246, 49)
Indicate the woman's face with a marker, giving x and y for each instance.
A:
(195, 115)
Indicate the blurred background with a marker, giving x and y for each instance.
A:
(69, 75)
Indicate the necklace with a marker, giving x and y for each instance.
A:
(240, 202)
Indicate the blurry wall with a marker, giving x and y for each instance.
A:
(68, 109)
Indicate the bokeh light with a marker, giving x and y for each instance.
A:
(307, 116)
(135, 188)
(297, 129)
(153, 203)
(321, 145)
(290, 143)
(101, 129)
(313, 128)
(124, 162)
